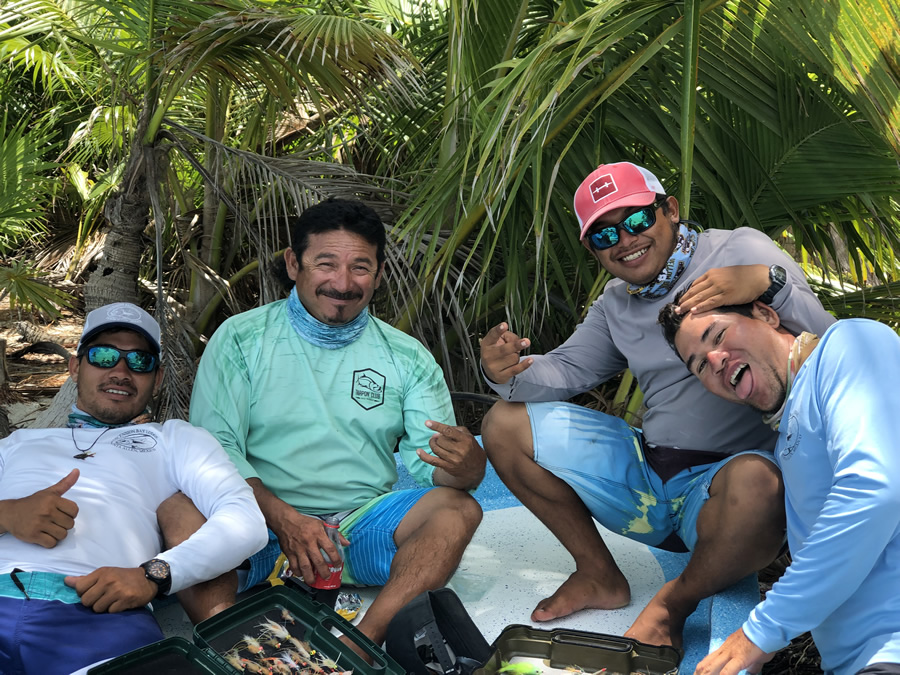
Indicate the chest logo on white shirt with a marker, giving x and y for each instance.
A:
(136, 440)
(368, 388)
(791, 439)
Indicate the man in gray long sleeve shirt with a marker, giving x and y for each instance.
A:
(684, 480)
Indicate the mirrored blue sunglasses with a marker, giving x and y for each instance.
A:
(137, 360)
(637, 222)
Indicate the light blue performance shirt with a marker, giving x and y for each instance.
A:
(319, 426)
(839, 451)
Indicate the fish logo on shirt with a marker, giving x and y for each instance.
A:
(368, 383)
(791, 439)
(368, 388)
(136, 440)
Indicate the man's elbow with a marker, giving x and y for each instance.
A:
(260, 532)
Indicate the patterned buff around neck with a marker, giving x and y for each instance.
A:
(685, 243)
(321, 334)
(79, 419)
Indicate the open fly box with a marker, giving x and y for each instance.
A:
(281, 630)
(523, 650)
(278, 630)
(172, 656)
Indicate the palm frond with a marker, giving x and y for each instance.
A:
(25, 186)
(22, 284)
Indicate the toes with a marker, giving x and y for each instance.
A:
(540, 613)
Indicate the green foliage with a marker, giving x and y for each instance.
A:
(470, 124)
(26, 184)
(779, 143)
(23, 285)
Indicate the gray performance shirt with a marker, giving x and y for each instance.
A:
(621, 331)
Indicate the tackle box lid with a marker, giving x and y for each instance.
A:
(304, 619)
(573, 651)
(171, 656)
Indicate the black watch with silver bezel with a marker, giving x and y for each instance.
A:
(777, 280)
(158, 571)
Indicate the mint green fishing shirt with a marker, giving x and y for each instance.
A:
(318, 427)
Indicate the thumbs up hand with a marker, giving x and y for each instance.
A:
(43, 518)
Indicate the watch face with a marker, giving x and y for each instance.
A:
(157, 570)
(778, 274)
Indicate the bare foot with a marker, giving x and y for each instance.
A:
(659, 623)
(583, 590)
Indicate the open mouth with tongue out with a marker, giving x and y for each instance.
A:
(741, 380)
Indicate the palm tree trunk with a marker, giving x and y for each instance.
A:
(115, 278)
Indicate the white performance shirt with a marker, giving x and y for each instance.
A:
(132, 470)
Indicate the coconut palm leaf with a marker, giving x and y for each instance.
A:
(25, 186)
(607, 86)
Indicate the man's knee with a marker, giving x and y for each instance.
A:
(506, 428)
(753, 485)
(470, 512)
(453, 513)
(178, 519)
(749, 476)
(461, 507)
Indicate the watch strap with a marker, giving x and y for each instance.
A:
(157, 570)
(777, 280)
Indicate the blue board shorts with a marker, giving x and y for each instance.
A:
(47, 631)
(601, 457)
(370, 531)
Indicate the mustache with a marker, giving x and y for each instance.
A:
(337, 295)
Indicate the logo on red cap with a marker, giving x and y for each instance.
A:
(603, 187)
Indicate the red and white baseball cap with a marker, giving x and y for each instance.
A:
(613, 186)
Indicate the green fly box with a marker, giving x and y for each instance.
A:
(172, 656)
(281, 630)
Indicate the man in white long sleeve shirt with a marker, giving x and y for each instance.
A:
(835, 407)
(80, 548)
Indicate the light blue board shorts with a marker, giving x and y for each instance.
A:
(370, 531)
(601, 457)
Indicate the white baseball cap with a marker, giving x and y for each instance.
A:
(121, 315)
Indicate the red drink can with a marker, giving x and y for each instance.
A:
(333, 580)
(336, 567)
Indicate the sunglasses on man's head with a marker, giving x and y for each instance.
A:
(137, 360)
(637, 222)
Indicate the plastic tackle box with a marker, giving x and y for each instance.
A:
(548, 652)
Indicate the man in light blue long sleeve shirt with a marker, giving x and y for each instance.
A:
(837, 448)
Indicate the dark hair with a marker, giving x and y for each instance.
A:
(663, 201)
(670, 320)
(338, 214)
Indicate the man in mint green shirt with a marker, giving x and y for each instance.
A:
(310, 395)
